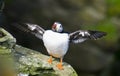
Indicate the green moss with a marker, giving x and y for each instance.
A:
(34, 63)
(4, 50)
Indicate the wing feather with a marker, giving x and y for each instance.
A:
(36, 30)
(30, 28)
(82, 35)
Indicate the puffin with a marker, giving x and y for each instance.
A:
(56, 41)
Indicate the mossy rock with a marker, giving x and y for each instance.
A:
(34, 63)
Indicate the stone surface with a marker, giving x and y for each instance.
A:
(7, 67)
(6, 39)
(32, 62)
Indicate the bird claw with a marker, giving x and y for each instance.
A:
(59, 66)
(50, 60)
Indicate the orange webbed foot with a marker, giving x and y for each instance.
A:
(50, 60)
(59, 65)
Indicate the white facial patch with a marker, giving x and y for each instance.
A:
(59, 28)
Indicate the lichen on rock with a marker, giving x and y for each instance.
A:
(34, 63)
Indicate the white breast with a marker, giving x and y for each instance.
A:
(56, 43)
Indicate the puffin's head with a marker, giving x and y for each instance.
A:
(57, 27)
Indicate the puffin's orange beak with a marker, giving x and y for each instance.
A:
(54, 27)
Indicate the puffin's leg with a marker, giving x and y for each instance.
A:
(59, 65)
(50, 60)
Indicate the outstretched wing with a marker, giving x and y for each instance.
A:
(36, 30)
(31, 28)
(82, 35)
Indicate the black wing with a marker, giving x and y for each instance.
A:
(31, 28)
(82, 35)
(36, 30)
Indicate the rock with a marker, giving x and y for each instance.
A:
(6, 55)
(6, 39)
(26, 61)
(32, 62)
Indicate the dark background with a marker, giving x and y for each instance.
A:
(91, 58)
